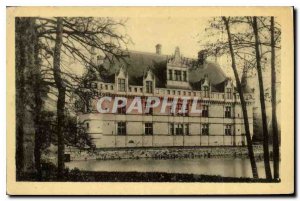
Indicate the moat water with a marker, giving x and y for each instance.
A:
(227, 167)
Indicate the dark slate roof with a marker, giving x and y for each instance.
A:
(138, 63)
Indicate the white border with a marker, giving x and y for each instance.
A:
(5, 3)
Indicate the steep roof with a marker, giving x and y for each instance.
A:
(138, 63)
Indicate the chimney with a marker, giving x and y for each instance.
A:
(158, 49)
(201, 56)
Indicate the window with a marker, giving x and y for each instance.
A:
(172, 128)
(144, 103)
(106, 87)
(205, 129)
(205, 111)
(150, 112)
(111, 87)
(87, 85)
(170, 75)
(178, 110)
(94, 85)
(121, 110)
(187, 110)
(177, 75)
(168, 91)
(121, 128)
(227, 112)
(149, 87)
(148, 128)
(228, 130)
(184, 76)
(179, 129)
(87, 125)
(206, 91)
(95, 93)
(228, 93)
(121, 83)
(187, 129)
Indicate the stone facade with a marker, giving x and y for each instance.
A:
(163, 153)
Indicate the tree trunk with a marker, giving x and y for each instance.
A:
(243, 102)
(274, 104)
(20, 94)
(37, 85)
(262, 102)
(60, 99)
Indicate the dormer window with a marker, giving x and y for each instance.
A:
(228, 93)
(170, 75)
(121, 84)
(206, 91)
(184, 76)
(149, 87)
(177, 75)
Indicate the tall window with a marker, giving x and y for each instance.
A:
(170, 75)
(121, 130)
(205, 111)
(206, 91)
(149, 87)
(227, 112)
(228, 93)
(177, 75)
(179, 108)
(187, 129)
(172, 128)
(94, 85)
(179, 129)
(228, 129)
(148, 128)
(150, 110)
(184, 76)
(121, 84)
(205, 129)
(186, 110)
(121, 110)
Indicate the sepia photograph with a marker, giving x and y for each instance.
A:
(151, 96)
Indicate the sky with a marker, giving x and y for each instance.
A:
(170, 32)
(186, 33)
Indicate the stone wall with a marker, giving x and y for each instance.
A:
(161, 153)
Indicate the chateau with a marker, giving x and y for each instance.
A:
(220, 122)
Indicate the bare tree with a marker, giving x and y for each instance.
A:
(243, 102)
(75, 38)
(262, 99)
(274, 103)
